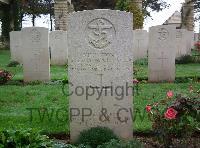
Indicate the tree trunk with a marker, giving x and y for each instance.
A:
(6, 20)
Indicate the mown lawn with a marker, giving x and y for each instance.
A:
(45, 107)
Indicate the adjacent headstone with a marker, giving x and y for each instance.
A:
(15, 46)
(190, 41)
(181, 42)
(100, 44)
(141, 40)
(196, 37)
(35, 48)
(161, 54)
(58, 47)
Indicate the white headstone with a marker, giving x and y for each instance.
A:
(15, 46)
(190, 41)
(58, 47)
(140, 40)
(196, 37)
(181, 42)
(162, 52)
(35, 48)
(100, 44)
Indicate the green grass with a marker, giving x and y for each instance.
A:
(16, 102)
(57, 72)
(16, 99)
(182, 70)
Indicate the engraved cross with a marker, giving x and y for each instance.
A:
(101, 88)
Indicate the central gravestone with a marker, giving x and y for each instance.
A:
(100, 71)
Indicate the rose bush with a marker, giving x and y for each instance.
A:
(175, 115)
(197, 45)
(5, 76)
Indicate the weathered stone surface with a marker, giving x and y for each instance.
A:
(58, 47)
(196, 37)
(15, 46)
(181, 42)
(162, 52)
(100, 60)
(140, 46)
(35, 49)
(190, 41)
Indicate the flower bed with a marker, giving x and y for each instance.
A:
(5, 76)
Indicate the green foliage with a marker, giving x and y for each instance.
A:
(17, 15)
(131, 6)
(121, 144)
(10, 13)
(138, 18)
(147, 6)
(23, 138)
(141, 62)
(186, 59)
(96, 136)
(6, 28)
(13, 64)
(122, 5)
(37, 82)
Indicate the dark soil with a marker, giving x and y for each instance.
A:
(148, 140)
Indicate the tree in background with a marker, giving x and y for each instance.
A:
(33, 8)
(131, 6)
(153, 5)
(147, 7)
(80, 5)
(197, 9)
(127, 5)
(10, 18)
(12, 15)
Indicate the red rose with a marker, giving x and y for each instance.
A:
(148, 108)
(170, 113)
(170, 94)
(135, 81)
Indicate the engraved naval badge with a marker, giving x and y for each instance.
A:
(35, 35)
(163, 34)
(100, 33)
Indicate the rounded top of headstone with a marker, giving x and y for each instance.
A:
(99, 11)
(39, 28)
